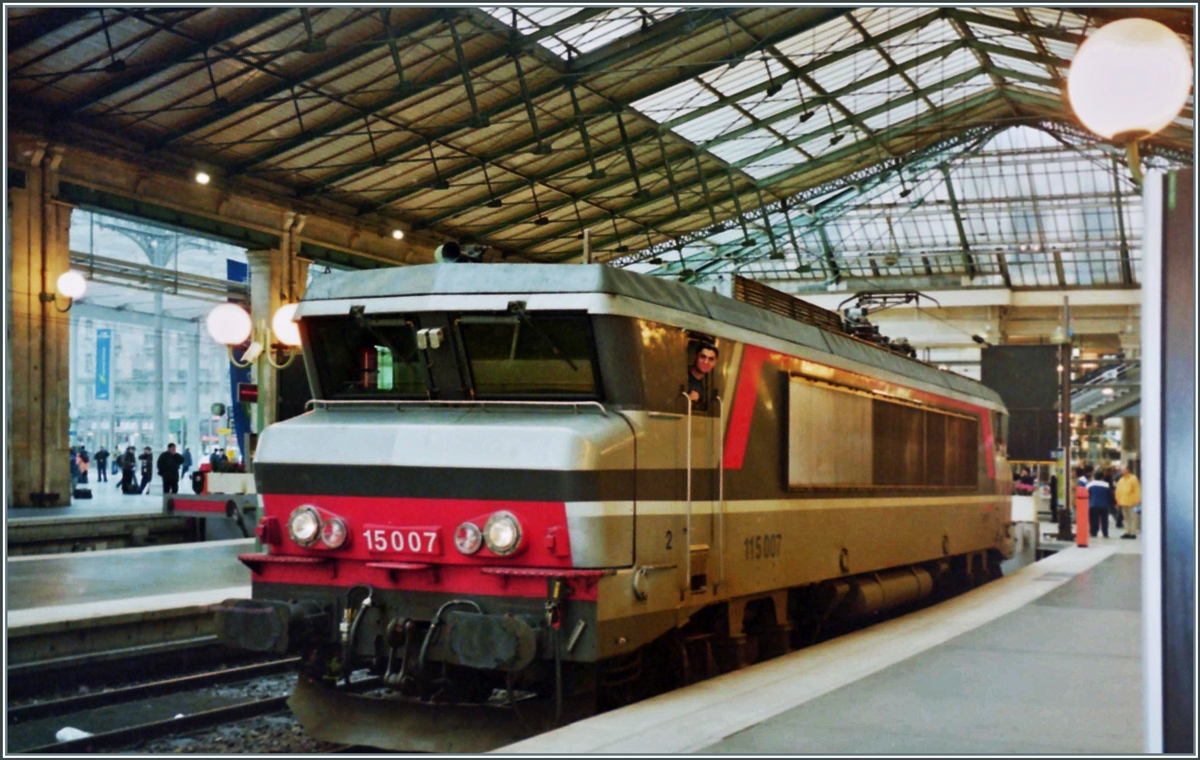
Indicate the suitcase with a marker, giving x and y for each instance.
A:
(83, 493)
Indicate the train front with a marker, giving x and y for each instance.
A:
(442, 521)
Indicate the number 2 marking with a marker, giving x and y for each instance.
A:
(669, 537)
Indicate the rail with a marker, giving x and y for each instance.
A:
(720, 491)
(687, 530)
(400, 403)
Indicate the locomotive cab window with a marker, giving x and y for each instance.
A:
(530, 355)
(367, 358)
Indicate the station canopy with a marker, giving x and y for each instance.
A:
(805, 143)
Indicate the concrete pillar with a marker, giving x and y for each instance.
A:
(159, 439)
(193, 394)
(266, 282)
(38, 330)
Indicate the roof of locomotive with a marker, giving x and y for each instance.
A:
(469, 279)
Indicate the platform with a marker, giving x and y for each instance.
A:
(106, 500)
(58, 587)
(1046, 660)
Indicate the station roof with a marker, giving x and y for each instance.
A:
(657, 128)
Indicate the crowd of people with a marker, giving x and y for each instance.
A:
(136, 470)
(1101, 492)
(1105, 496)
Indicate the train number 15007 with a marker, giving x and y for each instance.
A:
(763, 547)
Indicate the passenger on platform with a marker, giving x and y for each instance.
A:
(1027, 478)
(1099, 503)
(187, 459)
(147, 459)
(1129, 498)
(168, 469)
(74, 471)
(128, 468)
(84, 463)
(706, 359)
(217, 460)
(1053, 498)
(1110, 477)
(102, 465)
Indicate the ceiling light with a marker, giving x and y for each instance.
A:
(398, 234)
(1107, 391)
(284, 326)
(202, 177)
(1129, 79)
(835, 139)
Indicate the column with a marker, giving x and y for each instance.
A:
(193, 394)
(159, 439)
(38, 330)
(266, 275)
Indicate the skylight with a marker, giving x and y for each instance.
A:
(571, 38)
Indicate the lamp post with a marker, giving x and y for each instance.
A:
(231, 325)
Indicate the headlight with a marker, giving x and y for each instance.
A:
(333, 533)
(502, 533)
(304, 525)
(467, 538)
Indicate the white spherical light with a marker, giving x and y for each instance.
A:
(284, 326)
(71, 284)
(229, 324)
(1130, 78)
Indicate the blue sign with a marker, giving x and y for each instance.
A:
(103, 363)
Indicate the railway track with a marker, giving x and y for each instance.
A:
(131, 715)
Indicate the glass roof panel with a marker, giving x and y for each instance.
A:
(746, 145)
(706, 127)
(1004, 37)
(774, 164)
(819, 41)
(879, 20)
(858, 66)
(584, 36)
(673, 102)
(895, 115)
(1005, 13)
(861, 101)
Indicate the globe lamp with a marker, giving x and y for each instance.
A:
(284, 326)
(229, 324)
(1129, 79)
(71, 284)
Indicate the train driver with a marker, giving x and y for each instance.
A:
(706, 359)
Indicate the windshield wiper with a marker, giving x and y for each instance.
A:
(518, 308)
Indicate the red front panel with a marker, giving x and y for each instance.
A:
(408, 544)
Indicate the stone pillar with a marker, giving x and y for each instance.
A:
(192, 441)
(266, 280)
(38, 331)
(160, 437)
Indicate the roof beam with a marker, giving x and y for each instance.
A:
(984, 59)
(829, 158)
(25, 30)
(285, 83)
(1040, 46)
(190, 49)
(682, 74)
(892, 67)
(1041, 230)
(343, 122)
(835, 272)
(1126, 269)
(976, 135)
(821, 91)
(968, 260)
(950, 82)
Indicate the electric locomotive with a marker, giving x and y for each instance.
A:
(515, 496)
